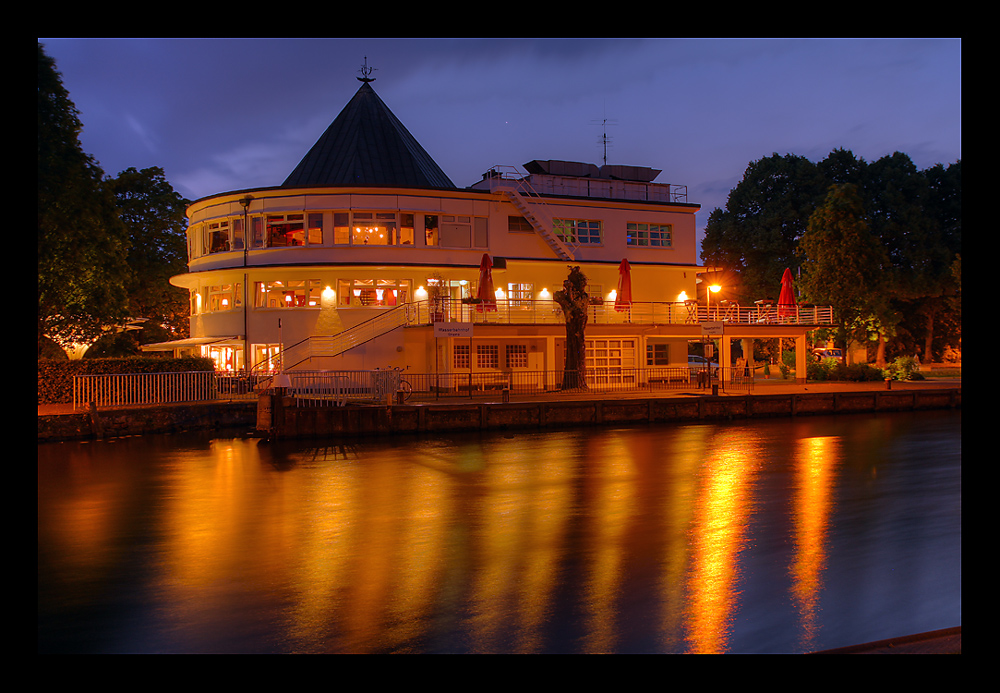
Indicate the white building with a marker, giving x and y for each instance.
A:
(339, 265)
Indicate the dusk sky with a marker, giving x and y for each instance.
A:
(228, 114)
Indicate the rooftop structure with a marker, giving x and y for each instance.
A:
(367, 251)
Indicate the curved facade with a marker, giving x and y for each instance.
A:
(368, 226)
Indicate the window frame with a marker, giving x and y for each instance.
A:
(644, 237)
(569, 231)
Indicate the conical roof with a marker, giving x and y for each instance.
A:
(367, 145)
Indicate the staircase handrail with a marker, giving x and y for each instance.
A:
(363, 332)
(514, 183)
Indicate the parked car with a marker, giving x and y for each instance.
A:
(700, 363)
(828, 353)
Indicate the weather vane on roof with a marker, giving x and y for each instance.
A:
(365, 70)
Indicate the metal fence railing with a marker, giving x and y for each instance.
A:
(326, 388)
(336, 388)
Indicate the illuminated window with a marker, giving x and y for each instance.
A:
(257, 232)
(266, 357)
(460, 357)
(292, 293)
(648, 235)
(519, 295)
(580, 231)
(487, 356)
(238, 233)
(431, 229)
(373, 228)
(223, 297)
(406, 234)
(373, 293)
(341, 228)
(315, 236)
(194, 241)
(610, 353)
(517, 356)
(217, 236)
(285, 230)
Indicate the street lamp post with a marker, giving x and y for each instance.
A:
(246, 292)
(714, 288)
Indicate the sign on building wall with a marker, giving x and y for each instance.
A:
(453, 329)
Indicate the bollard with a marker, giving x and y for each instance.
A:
(399, 396)
(715, 390)
(506, 395)
(888, 383)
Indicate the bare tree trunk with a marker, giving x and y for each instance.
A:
(575, 304)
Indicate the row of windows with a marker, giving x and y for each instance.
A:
(340, 229)
(589, 232)
(364, 292)
(488, 356)
(393, 229)
(601, 353)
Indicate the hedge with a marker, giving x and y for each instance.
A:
(55, 377)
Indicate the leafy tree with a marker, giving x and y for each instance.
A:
(82, 245)
(575, 303)
(154, 215)
(843, 261)
(915, 214)
(765, 215)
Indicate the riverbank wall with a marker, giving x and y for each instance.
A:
(276, 416)
(174, 418)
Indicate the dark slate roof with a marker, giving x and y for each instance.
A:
(367, 145)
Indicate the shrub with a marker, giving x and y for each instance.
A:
(834, 369)
(904, 368)
(55, 377)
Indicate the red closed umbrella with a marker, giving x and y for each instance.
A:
(786, 299)
(486, 296)
(623, 299)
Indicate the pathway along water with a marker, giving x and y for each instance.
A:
(784, 535)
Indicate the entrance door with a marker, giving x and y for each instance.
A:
(611, 362)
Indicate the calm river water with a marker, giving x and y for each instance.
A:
(772, 536)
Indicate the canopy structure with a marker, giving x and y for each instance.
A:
(190, 342)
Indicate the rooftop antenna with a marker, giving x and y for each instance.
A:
(365, 71)
(605, 140)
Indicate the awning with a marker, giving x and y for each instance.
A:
(190, 342)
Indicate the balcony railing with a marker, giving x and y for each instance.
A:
(533, 312)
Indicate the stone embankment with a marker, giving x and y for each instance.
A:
(274, 416)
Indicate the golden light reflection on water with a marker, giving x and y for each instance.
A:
(612, 495)
(722, 513)
(473, 545)
(816, 460)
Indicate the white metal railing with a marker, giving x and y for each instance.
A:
(129, 389)
(336, 388)
(604, 188)
(529, 311)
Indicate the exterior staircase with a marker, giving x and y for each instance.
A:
(511, 182)
(333, 345)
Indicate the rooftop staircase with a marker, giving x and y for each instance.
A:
(513, 183)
